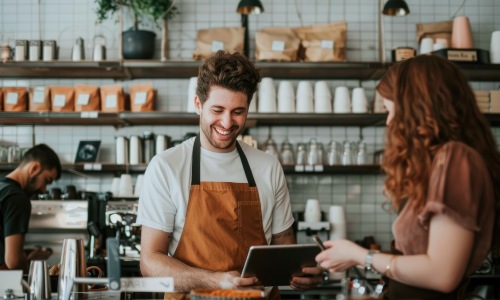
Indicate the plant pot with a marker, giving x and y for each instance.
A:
(138, 44)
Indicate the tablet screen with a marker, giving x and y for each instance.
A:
(277, 264)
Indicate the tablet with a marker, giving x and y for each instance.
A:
(277, 264)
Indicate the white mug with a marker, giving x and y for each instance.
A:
(359, 101)
(342, 101)
(495, 48)
(193, 82)
(286, 97)
(305, 97)
(426, 45)
(312, 212)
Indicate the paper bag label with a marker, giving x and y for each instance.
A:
(111, 101)
(59, 100)
(278, 46)
(217, 45)
(327, 44)
(39, 95)
(83, 99)
(140, 97)
(11, 98)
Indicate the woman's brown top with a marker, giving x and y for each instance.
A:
(459, 187)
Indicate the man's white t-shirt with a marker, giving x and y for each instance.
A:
(165, 190)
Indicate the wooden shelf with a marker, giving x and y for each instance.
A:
(131, 69)
(139, 169)
(338, 170)
(62, 69)
(59, 118)
(182, 118)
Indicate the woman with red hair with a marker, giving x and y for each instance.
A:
(443, 179)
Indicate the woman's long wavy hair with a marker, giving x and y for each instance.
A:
(433, 104)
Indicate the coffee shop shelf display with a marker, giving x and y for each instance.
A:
(136, 43)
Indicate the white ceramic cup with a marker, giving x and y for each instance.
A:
(135, 150)
(125, 188)
(342, 101)
(312, 212)
(115, 186)
(267, 96)
(121, 150)
(359, 101)
(495, 48)
(193, 82)
(336, 217)
(305, 97)
(138, 185)
(440, 44)
(286, 97)
(426, 45)
(161, 143)
(253, 104)
(322, 97)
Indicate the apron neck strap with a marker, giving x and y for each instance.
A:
(195, 165)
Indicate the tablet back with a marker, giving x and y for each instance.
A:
(277, 264)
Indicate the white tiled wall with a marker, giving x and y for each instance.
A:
(361, 195)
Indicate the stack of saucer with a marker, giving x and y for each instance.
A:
(483, 100)
(495, 101)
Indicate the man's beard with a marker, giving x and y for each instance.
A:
(207, 131)
(31, 187)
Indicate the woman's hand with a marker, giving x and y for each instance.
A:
(341, 255)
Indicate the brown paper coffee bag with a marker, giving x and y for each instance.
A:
(112, 98)
(276, 44)
(324, 42)
(87, 98)
(209, 41)
(435, 30)
(15, 99)
(39, 99)
(62, 98)
(142, 97)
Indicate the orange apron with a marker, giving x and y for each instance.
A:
(222, 221)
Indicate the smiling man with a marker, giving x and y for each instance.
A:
(206, 201)
(39, 166)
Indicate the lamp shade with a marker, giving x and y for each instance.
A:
(396, 8)
(246, 7)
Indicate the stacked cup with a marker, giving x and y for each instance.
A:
(426, 45)
(461, 36)
(193, 82)
(495, 48)
(125, 186)
(312, 212)
(322, 97)
(267, 96)
(336, 217)
(305, 97)
(342, 101)
(286, 97)
(253, 104)
(359, 101)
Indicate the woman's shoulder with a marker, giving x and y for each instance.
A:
(456, 150)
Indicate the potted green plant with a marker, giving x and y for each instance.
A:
(137, 43)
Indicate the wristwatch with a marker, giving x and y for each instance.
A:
(369, 261)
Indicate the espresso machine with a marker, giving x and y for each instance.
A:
(121, 218)
(305, 230)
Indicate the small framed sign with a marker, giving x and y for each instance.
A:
(87, 151)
